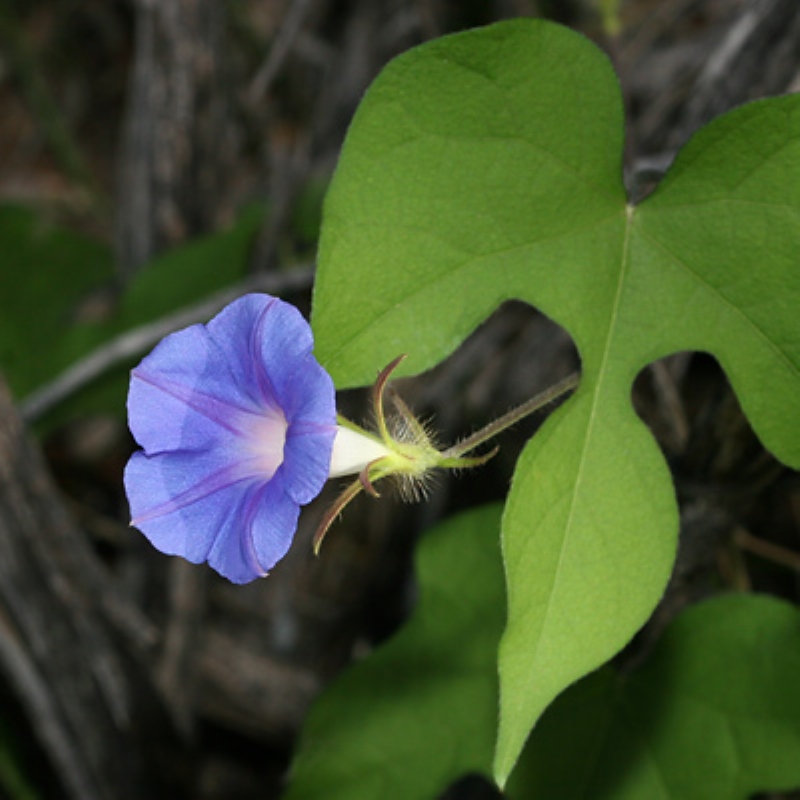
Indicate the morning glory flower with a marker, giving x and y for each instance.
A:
(238, 428)
(237, 422)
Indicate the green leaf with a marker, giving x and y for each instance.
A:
(421, 710)
(714, 714)
(54, 338)
(466, 175)
(188, 273)
(487, 166)
(45, 271)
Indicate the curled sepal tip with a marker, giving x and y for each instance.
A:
(330, 515)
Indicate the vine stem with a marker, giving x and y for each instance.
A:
(512, 417)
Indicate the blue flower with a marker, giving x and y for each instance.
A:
(238, 428)
(237, 422)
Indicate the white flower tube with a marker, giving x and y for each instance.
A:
(352, 451)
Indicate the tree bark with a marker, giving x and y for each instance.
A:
(173, 151)
(87, 701)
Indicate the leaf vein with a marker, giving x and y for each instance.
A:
(615, 310)
(716, 292)
(468, 263)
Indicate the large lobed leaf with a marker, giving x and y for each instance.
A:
(487, 166)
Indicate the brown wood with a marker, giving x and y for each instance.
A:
(88, 703)
(174, 145)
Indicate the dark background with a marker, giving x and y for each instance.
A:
(126, 674)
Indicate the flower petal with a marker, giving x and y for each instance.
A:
(270, 522)
(237, 421)
(306, 464)
(165, 483)
(283, 339)
(176, 400)
(310, 395)
(265, 343)
(233, 335)
(185, 529)
(240, 527)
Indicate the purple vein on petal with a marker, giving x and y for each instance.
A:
(250, 547)
(221, 479)
(221, 412)
(254, 352)
(304, 427)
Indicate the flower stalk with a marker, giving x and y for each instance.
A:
(405, 448)
(513, 416)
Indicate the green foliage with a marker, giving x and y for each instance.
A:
(420, 711)
(188, 273)
(45, 274)
(172, 281)
(15, 775)
(45, 271)
(487, 166)
(713, 715)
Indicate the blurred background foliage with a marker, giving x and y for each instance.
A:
(157, 160)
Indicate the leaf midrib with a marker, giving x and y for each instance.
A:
(591, 420)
